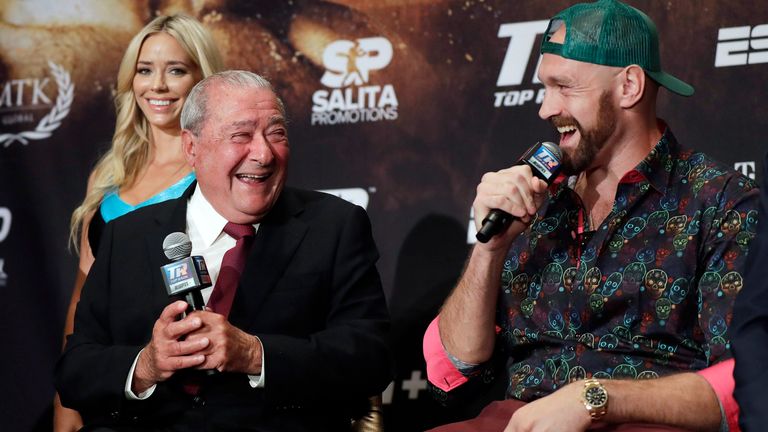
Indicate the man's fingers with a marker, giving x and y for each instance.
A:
(511, 189)
(177, 329)
(187, 347)
(538, 185)
(184, 362)
(515, 168)
(181, 355)
(171, 311)
(526, 195)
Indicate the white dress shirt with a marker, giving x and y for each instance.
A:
(205, 228)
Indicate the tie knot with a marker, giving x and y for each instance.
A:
(238, 231)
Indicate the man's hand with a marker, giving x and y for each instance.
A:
(165, 353)
(561, 411)
(514, 190)
(467, 320)
(230, 349)
(65, 419)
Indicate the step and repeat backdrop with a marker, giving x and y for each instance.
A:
(398, 106)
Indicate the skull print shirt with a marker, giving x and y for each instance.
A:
(647, 293)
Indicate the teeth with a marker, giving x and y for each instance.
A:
(565, 129)
(251, 176)
(159, 102)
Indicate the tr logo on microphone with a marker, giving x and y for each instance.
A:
(177, 272)
(179, 276)
(545, 161)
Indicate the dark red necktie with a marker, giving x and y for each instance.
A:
(232, 266)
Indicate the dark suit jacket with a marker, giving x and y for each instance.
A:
(750, 327)
(310, 291)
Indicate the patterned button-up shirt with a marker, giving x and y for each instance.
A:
(647, 293)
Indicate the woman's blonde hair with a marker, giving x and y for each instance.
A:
(130, 143)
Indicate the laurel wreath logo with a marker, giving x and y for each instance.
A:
(53, 119)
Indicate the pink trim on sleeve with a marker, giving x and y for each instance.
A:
(440, 371)
(720, 377)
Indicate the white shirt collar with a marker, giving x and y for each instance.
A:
(208, 223)
(203, 218)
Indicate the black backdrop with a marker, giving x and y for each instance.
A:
(434, 93)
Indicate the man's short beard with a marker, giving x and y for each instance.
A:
(593, 140)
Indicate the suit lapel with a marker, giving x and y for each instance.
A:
(168, 218)
(275, 244)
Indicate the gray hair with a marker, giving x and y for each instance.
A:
(194, 112)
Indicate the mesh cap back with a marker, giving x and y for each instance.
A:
(611, 33)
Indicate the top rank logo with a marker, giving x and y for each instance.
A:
(348, 67)
(545, 160)
(522, 39)
(20, 99)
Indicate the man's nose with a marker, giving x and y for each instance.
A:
(261, 150)
(549, 106)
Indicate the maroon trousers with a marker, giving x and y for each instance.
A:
(496, 415)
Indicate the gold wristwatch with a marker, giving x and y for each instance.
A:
(595, 398)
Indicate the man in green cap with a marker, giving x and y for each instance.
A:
(612, 287)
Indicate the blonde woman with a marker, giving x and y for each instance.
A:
(145, 164)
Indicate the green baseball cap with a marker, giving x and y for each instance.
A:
(611, 33)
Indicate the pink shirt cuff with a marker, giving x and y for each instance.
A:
(720, 377)
(443, 375)
(440, 371)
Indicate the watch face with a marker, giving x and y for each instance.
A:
(596, 396)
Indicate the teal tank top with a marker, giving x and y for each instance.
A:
(112, 206)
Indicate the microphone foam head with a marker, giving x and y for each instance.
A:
(177, 246)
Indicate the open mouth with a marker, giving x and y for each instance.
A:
(159, 102)
(566, 133)
(253, 178)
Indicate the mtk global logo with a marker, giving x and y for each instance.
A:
(350, 99)
(20, 99)
(522, 39)
(738, 46)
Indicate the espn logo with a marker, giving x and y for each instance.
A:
(738, 46)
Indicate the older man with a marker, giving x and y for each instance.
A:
(617, 283)
(296, 320)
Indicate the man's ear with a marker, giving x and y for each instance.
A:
(633, 81)
(189, 146)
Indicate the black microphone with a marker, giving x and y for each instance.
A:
(186, 274)
(544, 160)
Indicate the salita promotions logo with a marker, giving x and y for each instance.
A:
(26, 106)
(515, 87)
(351, 98)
